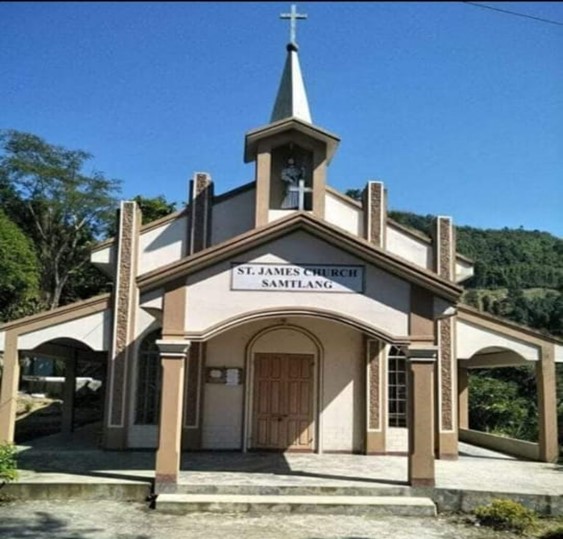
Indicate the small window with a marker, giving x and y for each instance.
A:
(149, 381)
(397, 376)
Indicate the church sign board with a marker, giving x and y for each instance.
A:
(297, 277)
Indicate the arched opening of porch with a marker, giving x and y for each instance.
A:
(501, 401)
(61, 389)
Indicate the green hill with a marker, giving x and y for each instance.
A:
(518, 273)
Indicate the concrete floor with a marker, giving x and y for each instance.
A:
(56, 458)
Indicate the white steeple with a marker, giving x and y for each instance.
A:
(291, 100)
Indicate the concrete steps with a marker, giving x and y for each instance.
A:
(309, 504)
(293, 490)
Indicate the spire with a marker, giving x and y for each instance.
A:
(291, 100)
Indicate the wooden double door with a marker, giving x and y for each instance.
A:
(283, 406)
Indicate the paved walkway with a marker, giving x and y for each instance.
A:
(114, 520)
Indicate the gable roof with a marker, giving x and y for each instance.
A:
(301, 221)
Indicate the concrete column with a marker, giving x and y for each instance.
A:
(463, 397)
(9, 389)
(69, 391)
(421, 417)
(376, 378)
(173, 354)
(547, 404)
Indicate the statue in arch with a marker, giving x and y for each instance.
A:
(291, 174)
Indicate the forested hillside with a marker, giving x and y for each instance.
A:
(518, 273)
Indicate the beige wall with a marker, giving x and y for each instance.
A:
(233, 216)
(342, 399)
(404, 245)
(385, 304)
(162, 245)
(344, 215)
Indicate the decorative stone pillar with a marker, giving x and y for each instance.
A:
(421, 417)
(201, 203)
(446, 387)
(69, 391)
(463, 397)
(9, 389)
(547, 404)
(125, 304)
(375, 213)
(376, 377)
(173, 355)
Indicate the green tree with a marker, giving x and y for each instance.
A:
(502, 407)
(356, 194)
(64, 209)
(19, 272)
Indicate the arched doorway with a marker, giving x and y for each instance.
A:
(283, 379)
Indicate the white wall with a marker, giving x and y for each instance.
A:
(93, 330)
(163, 245)
(233, 216)
(344, 215)
(406, 246)
(385, 303)
(463, 270)
(471, 339)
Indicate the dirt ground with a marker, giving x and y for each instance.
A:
(120, 520)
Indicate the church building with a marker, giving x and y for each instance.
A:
(284, 316)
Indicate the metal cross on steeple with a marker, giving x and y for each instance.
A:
(293, 17)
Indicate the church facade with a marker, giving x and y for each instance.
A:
(284, 316)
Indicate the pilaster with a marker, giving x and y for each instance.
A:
(375, 213)
(201, 204)
(376, 376)
(446, 386)
(125, 303)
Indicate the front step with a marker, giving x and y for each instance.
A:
(292, 490)
(336, 505)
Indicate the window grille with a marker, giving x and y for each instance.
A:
(397, 388)
(149, 380)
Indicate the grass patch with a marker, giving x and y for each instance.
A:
(507, 515)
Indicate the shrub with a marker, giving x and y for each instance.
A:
(507, 515)
(8, 466)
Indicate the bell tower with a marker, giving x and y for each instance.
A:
(291, 153)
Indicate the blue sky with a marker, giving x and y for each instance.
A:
(458, 109)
